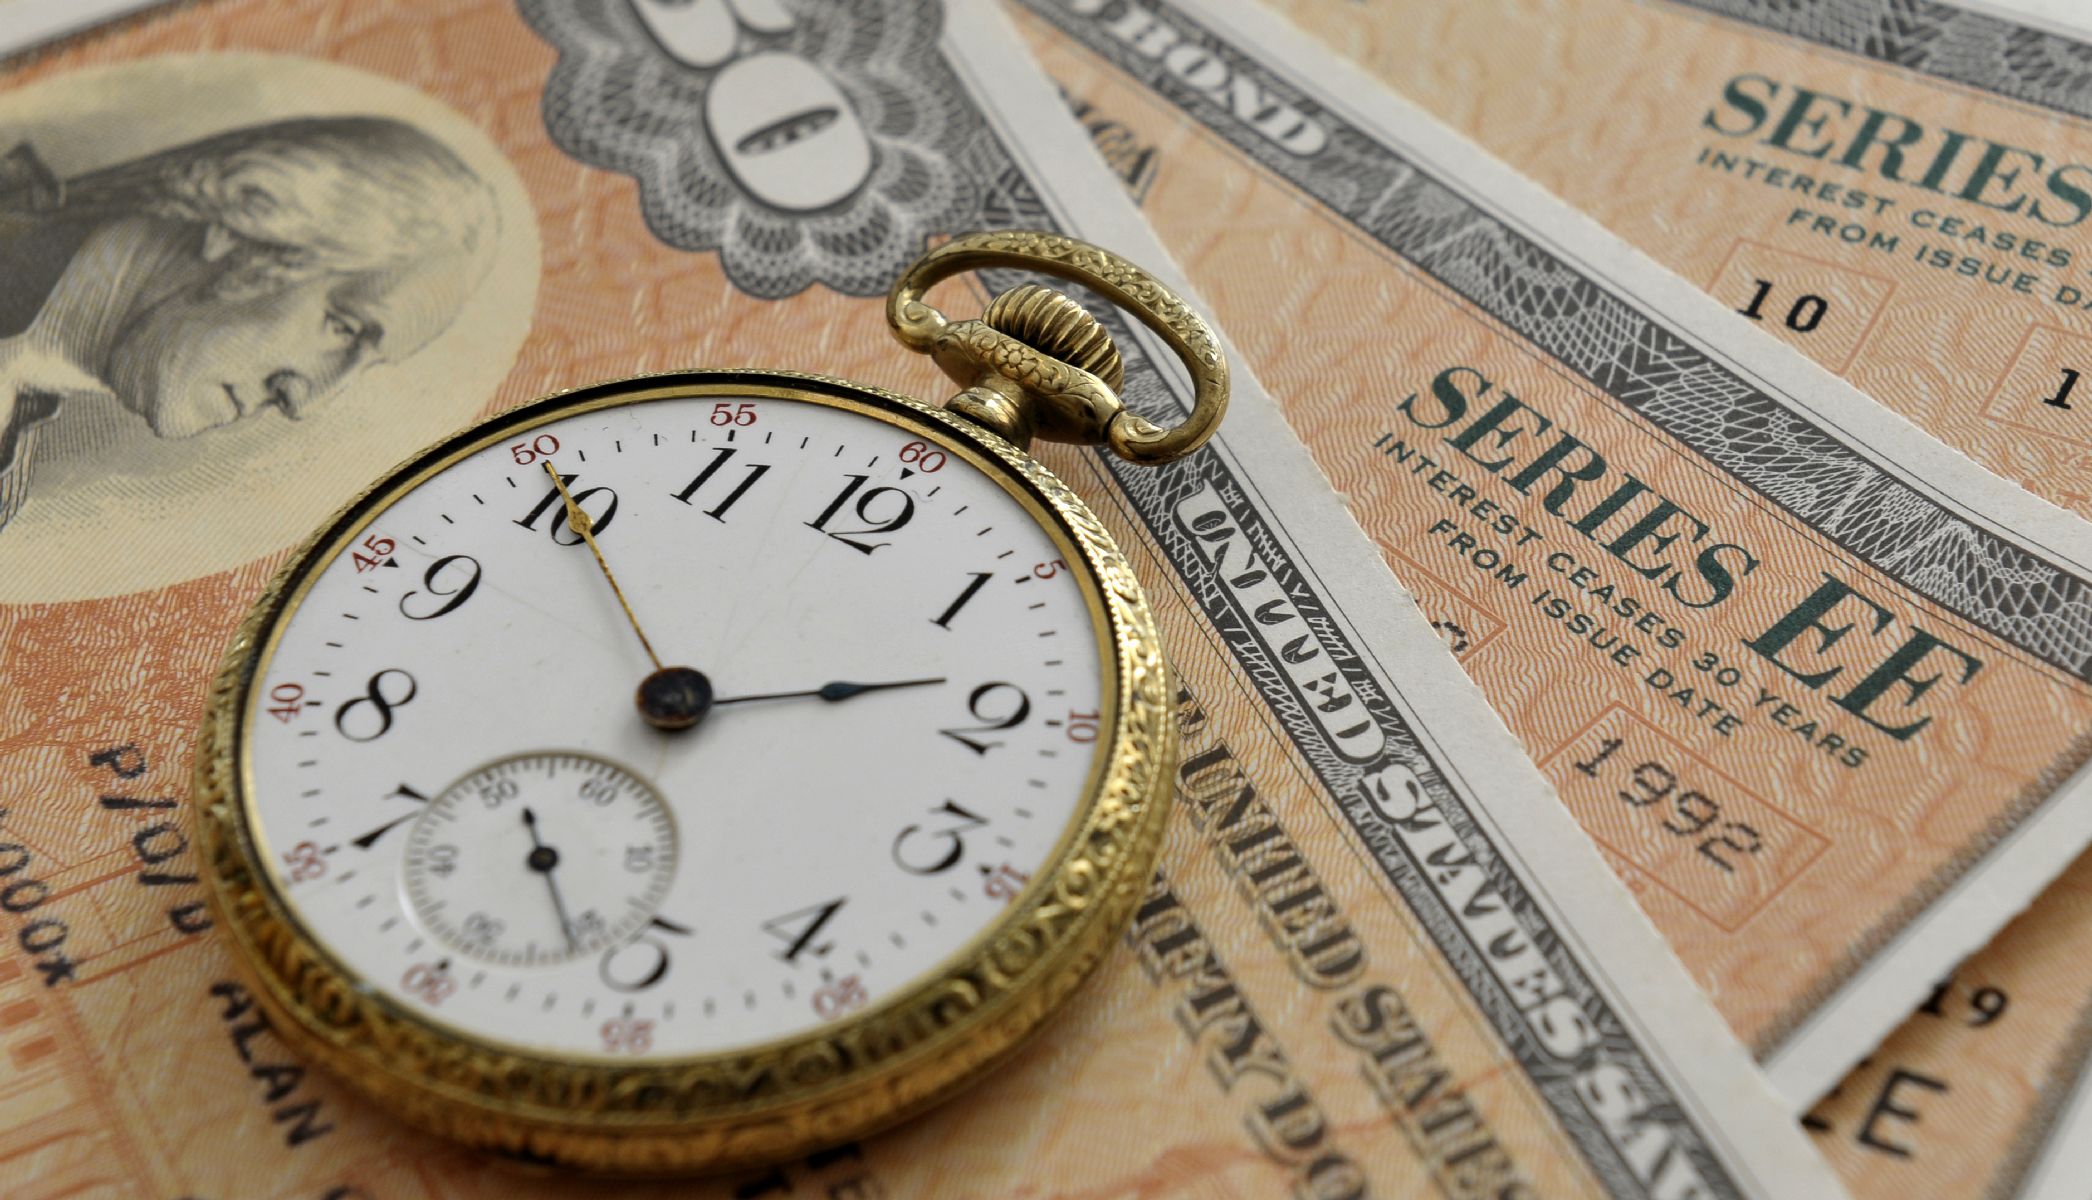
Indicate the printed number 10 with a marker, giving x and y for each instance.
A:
(1803, 316)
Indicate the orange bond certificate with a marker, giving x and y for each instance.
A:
(1815, 682)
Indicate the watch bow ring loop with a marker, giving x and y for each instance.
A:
(1037, 365)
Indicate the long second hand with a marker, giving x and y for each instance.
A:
(580, 522)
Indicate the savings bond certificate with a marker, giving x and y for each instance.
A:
(1983, 1091)
(1902, 191)
(1815, 683)
(1379, 957)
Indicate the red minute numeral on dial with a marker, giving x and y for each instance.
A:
(733, 414)
(430, 982)
(288, 699)
(305, 862)
(1047, 570)
(374, 553)
(1082, 727)
(834, 999)
(543, 445)
(1003, 883)
(923, 457)
(628, 1035)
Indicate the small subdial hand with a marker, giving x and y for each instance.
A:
(841, 689)
(543, 859)
(580, 522)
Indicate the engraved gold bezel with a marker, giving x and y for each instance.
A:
(754, 1104)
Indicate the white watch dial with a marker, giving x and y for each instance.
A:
(461, 799)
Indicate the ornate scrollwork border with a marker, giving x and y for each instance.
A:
(761, 1103)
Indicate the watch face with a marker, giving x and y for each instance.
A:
(883, 693)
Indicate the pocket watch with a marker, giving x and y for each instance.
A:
(693, 770)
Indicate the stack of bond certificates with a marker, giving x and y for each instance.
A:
(1635, 626)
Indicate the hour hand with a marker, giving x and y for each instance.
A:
(841, 689)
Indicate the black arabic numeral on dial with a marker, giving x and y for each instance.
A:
(798, 928)
(601, 520)
(979, 580)
(641, 963)
(451, 580)
(994, 712)
(403, 792)
(866, 508)
(719, 459)
(387, 690)
(953, 831)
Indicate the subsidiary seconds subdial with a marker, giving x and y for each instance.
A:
(539, 858)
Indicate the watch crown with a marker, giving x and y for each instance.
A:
(1058, 327)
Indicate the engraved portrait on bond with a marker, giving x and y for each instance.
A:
(246, 276)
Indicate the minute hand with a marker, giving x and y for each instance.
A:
(580, 522)
(841, 689)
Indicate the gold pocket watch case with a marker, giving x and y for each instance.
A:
(750, 918)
